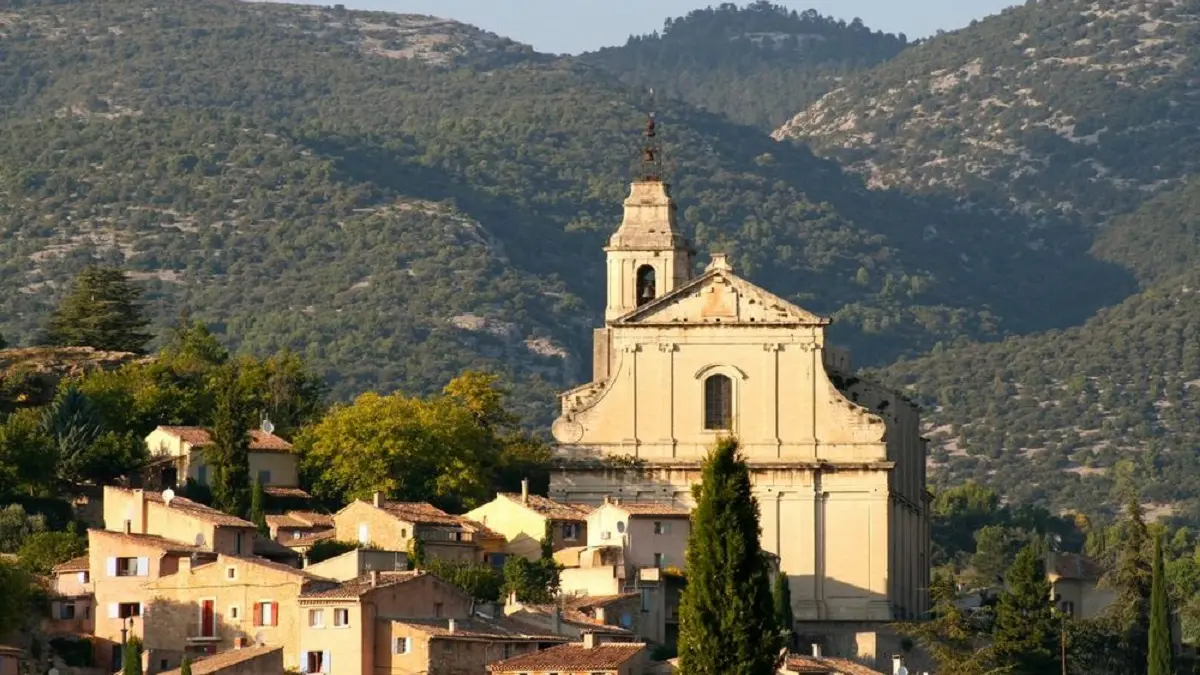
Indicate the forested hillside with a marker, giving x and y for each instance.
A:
(399, 198)
(1061, 107)
(1050, 416)
(756, 64)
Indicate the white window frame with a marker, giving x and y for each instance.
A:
(402, 645)
(316, 618)
(268, 613)
(341, 611)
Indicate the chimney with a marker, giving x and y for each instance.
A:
(139, 504)
(816, 650)
(128, 526)
(374, 578)
(524, 490)
(377, 498)
(589, 640)
(451, 625)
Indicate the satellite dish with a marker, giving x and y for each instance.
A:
(902, 671)
(267, 426)
(259, 638)
(168, 495)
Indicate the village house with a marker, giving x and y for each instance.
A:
(71, 600)
(523, 520)
(254, 660)
(453, 646)
(391, 526)
(359, 562)
(177, 455)
(211, 607)
(292, 525)
(567, 619)
(179, 519)
(341, 626)
(1075, 585)
(819, 664)
(592, 656)
(120, 564)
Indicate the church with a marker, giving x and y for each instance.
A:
(837, 463)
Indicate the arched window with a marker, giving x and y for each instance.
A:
(718, 403)
(646, 290)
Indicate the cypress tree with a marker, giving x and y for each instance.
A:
(258, 515)
(1160, 647)
(185, 668)
(101, 311)
(782, 596)
(416, 552)
(726, 615)
(228, 456)
(1025, 628)
(131, 657)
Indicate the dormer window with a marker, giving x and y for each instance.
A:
(646, 288)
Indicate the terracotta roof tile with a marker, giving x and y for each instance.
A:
(285, 521)
(481, 629)
(548, 507)
(154, 540)
(570, 616)
(1073, 566)
(260, 441)
(267, 564)
(312, 518)
(194, 509)
(362, 585)
(653, 509)
(585, 602)
(573, 656)
(420, 513)
(309, 540)
(286, 492)
(483, 531)
(215, 663)
(79, 564)
(810, 665)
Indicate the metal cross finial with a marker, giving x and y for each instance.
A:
(651, 151)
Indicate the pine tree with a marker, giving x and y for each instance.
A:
(258, 515)
(185, 668)
(228, 455)
(1132, 580)
(782, 596)
(727, 621)
(1025, 629)
(101, 311)
(1160, 643)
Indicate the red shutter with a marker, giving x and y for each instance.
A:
(274, 613)
(258, 614)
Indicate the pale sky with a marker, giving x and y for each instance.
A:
(573, 26)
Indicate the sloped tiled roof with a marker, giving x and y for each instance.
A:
(362, 585)
(312, 518)
(571, 616)
(163, 543)
(198, 437)
(586, 602)
(286, 492)
(483, 531)
(79, 564)
(826, 665)
(548, 507)
(226, 659)
(571, 657)
(1073, 566)
(420, 513)
(311, 539)
(195, 509)
(481, 629)
(267, 564)
(654, 509)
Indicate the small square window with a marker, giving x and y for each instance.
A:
(316, 618)
(341, 617)
(437, 609)
(402, 645)
(264, 477)
(235, 612)
(231, 573)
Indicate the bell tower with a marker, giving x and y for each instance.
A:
(647, 256)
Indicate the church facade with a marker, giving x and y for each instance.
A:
(837, 463)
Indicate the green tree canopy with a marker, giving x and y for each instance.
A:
(1025, 628)
(1161, 646)
(726, 615)
(101, 311)
(43, 550)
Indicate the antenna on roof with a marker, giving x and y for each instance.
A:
(651, 148)
(267, 426)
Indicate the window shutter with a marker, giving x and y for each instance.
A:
(303, 659)
(114, 610)
(274, 613)
(83, 577)
(258, 614)
(143, 567)
(327, 662)
(111, 565)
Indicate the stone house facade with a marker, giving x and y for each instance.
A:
(177, 454)
(71, 603)
(180, 519)
(592, 656)
(453, 646)
(391, 526)
(522, 518)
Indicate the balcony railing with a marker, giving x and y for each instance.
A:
(198, 633)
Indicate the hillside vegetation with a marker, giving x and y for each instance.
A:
(756, 64)
(399, 198)
(1062, 107)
